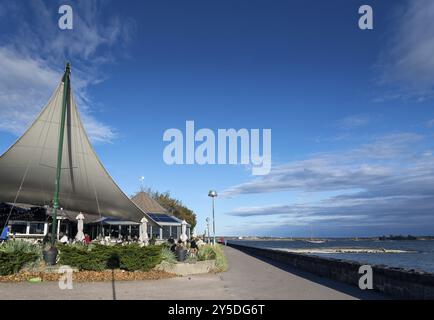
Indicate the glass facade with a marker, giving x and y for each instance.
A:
(166, 232)
(19, 227)
(27, 228)
(36, 228)
(174, 232)
(135, 232)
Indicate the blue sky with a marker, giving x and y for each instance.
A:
(351, 111)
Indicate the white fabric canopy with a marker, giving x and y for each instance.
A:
(85, 185)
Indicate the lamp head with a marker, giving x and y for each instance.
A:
(212, 194)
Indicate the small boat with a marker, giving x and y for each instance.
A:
(312, 240)
(315, 241)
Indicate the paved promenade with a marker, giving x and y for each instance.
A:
(246, 278)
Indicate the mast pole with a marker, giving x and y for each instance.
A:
(66, 88)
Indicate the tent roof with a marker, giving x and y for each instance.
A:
(28, 168)
(147, 204)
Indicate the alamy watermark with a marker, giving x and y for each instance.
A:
(65, 280)
(227, 146)
(366, 280)
(366, 21)
(66, 18)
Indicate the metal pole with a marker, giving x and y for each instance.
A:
(213, 221)
(60, 152)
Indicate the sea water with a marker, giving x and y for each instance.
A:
(418, 255)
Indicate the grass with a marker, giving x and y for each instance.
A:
(210, 252)
(206, 252)
(167, 255)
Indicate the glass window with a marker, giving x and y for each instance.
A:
(36, 228)
(111, 231)
(166, 232)
(19, 227)
(174, 232)
(156, 232)
(125, 231)
(135, 232)
(149, 230)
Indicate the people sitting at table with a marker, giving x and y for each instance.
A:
(87, 239)
(172, 244)
(63, 238)
(194, 248)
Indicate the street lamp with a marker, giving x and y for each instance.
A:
(213, 194)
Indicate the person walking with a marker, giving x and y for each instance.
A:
(5, 234)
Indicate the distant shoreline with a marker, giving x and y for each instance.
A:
(326, 239)
(343, 250)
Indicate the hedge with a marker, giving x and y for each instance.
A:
(99, 257)
(13, 262)
(14, 255)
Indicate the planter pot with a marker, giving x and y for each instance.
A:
(50, 256)
(181, 254)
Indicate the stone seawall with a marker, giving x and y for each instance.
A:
(394, 282)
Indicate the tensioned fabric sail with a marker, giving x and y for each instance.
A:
(85, 185)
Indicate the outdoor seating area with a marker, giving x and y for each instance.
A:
(21, 256)
(70, 221)
(33, 223)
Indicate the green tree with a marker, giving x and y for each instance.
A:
(175, 207)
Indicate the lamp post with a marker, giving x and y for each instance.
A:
(142, 188)
(213, 194)
(207, 227)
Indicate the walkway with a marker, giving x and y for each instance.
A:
(246, 278)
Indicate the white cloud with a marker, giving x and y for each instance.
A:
(359, 167)
(355, 121)
(387, 182)
(33, 54)
(407, 63)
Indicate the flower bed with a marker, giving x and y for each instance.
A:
(90, 276)
(22, 261)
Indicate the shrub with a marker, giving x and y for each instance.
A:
(167, 255)
(221, 262)
(152, 241)
(133, 257)
(211, 252)
(93, 258)
(206, 253)
(21, 246)
(14, 255)
(99, 257)
(11, 263)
